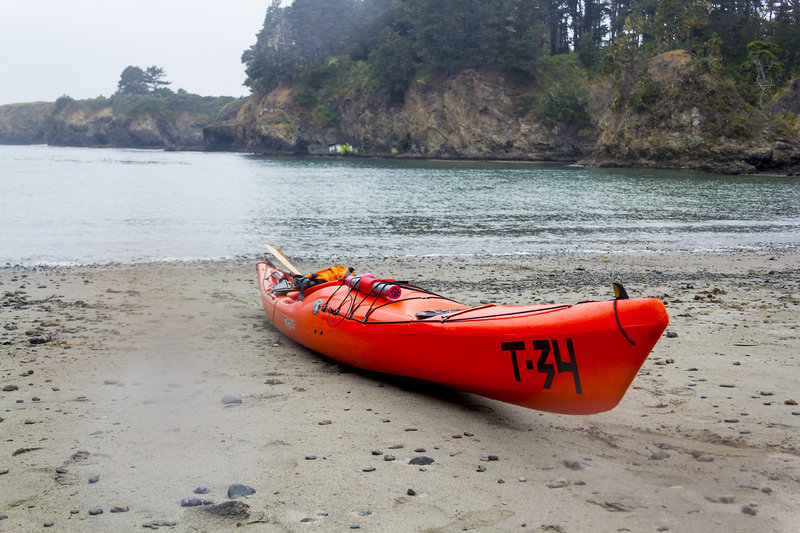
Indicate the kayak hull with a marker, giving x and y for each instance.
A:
(575, 359)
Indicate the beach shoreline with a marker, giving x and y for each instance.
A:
(119, 371)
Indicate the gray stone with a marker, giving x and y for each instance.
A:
(237, 489)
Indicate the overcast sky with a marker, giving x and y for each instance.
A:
(80, 47)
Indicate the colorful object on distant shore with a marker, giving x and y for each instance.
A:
(564, 358)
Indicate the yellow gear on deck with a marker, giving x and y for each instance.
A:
(330, 274)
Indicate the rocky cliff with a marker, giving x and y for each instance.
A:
(677, 115)
(78, 124)
(469, 115)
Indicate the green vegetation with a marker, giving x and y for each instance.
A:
(144, 92)
(753, 44)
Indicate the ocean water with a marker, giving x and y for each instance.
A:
(83, 205)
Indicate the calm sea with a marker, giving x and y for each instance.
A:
(82, 205)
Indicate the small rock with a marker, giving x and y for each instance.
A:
(748, 509)
(191, 502)
(789, 402)
(388, 457)
(493, 457)
(411, 492)
(575, 465)
(480, 468)
(419, 450)
(671, 334)
(365, 512)
(120, 509)
(324, 422)
(74, 511)
(557, 484)
(310, 457)
(48, 524)
(3, 471)
(94, 479)
(95, 511)
(240, 490)
(377, 452)
(421, 460)
(202, 490)
(368, 469)
(229, 398)
(766, 490)
(110, 382)
(10, 388)
(706, 459)
(765, 393)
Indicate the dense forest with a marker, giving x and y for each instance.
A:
(754, 44)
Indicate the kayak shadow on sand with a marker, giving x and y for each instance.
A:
(494, 412)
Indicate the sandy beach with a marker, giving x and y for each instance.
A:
(112, 380)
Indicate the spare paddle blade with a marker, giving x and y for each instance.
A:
(282, 259)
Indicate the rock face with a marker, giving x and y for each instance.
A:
(677, 115)
(85, 125)
(681, 116)
(24, 123)
(469, 115)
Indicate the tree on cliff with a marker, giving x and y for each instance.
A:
(134, 80)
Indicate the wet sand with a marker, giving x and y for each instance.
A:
(119, 372)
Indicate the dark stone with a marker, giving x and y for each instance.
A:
(94, 479)
(95, 511)
(191, 502)
(411, 492)
(236, 490)
(421, 460)
(202, 490)
(10, 388)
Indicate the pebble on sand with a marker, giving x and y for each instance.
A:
(749, 509)
(120, 509)
(421, 460)
(10, 388)
(94, 479)
(557, 484)
(202, 490)
(191, 502)
(230, 398)
(95, 511)
(240, 490)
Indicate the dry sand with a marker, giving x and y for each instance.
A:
(121, 371)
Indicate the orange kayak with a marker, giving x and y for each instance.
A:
(569, 358)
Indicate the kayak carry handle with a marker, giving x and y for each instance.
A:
(367, 284)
